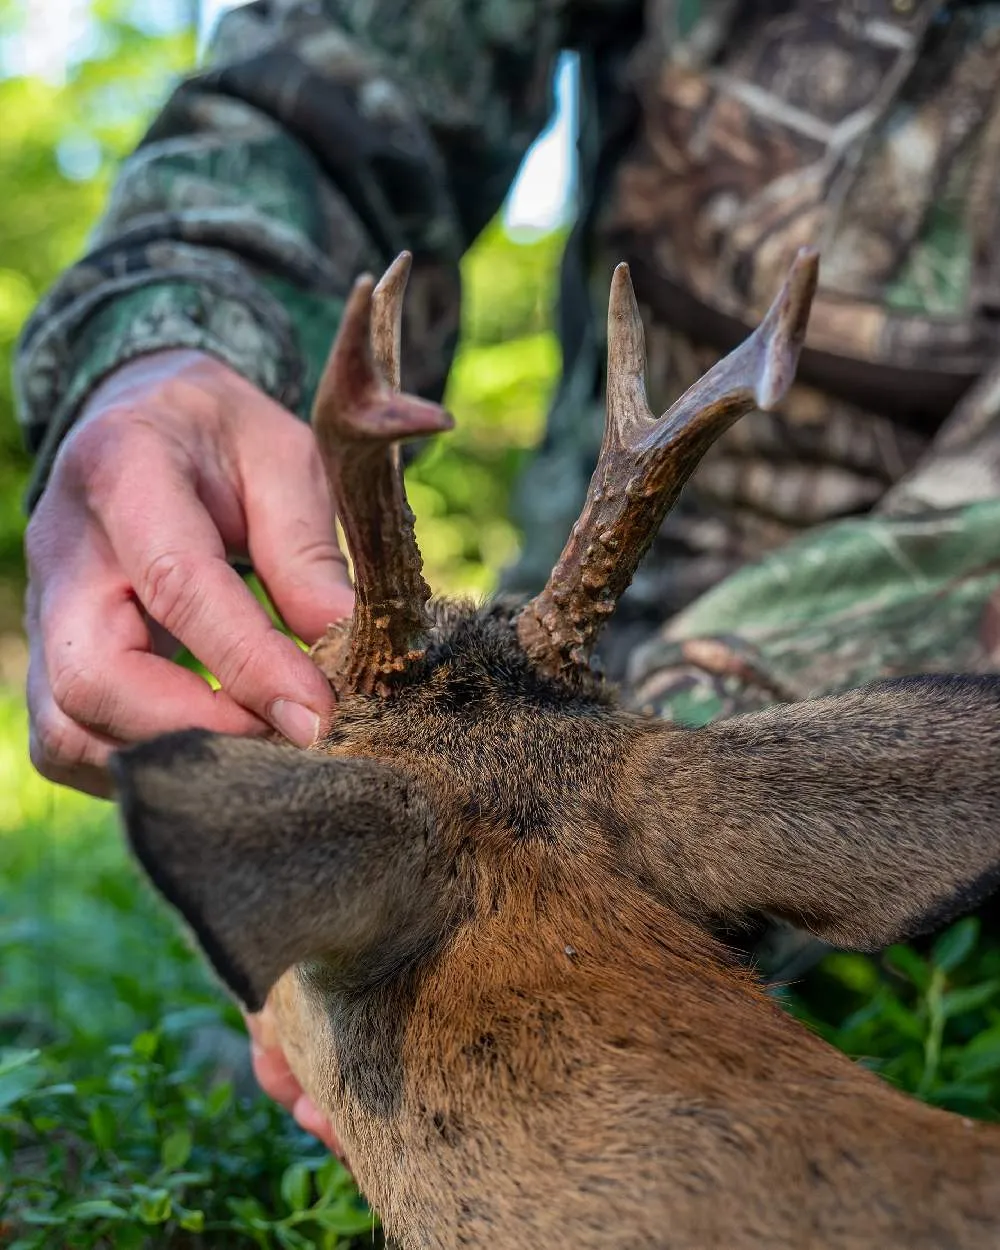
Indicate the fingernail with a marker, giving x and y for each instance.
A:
(299, 724)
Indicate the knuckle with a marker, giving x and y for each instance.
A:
(293, 443)
(318, 549)
(89, 444)
(57, 539)
(78, 690)
(238, 672)
(31, 616)
(194, 389)
(37, 539)
(39, 756)
(55, 744)
(169, 590)
(102, 447)
(53, 530)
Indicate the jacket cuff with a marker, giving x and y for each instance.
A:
(77, 348)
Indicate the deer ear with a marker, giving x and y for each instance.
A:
(274, 855)
(864, 818)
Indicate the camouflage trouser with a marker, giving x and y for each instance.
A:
(911, 588)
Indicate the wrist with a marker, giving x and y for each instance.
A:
(155, 371)
(73, 359)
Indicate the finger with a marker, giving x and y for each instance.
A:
(262, 1028)
(101, 674)
(277, 1080)
(269, 1064)
(292, 538)
(309, 1117)
(274, 1076)
(60, 750)
(171, 552)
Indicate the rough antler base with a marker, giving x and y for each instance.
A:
(359, 418)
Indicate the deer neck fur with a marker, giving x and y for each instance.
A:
(504, 1117)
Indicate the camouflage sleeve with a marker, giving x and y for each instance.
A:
(914, 587)
(322, 137)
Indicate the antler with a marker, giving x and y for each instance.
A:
(644, 462)
(358, 419)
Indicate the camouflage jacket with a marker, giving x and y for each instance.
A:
(855, 533)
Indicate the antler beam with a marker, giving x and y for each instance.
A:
(644, 461)
(359, 418)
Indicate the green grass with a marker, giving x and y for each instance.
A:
(126, 1116)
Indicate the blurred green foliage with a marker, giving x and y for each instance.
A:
(58, 144)
(504, 372)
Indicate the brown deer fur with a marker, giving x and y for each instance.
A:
(481, 906)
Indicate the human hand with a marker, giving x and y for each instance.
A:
(277, 1081)
(175, 464)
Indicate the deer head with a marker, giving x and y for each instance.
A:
(485, 836)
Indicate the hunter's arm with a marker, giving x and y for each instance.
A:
(320, 139)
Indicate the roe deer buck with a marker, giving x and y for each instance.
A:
(481, 906)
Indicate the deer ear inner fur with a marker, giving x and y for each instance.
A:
(866, 818)
(274, 855)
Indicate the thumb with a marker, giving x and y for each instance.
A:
(291, 536)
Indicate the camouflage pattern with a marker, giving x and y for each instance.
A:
(853, 534)
(872, 129)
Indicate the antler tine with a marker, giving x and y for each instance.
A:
(644, 462)
(358, 418)
(387, 318)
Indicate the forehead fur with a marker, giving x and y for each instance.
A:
(509, 743)
(474, 664)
